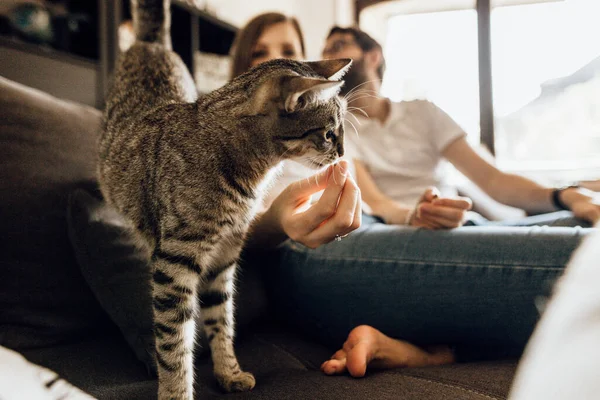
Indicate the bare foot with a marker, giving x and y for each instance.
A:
(366, 346)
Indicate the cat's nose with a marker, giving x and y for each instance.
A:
(340, 149)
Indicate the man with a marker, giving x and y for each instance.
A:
(398, 149)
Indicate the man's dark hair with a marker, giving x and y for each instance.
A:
(364, 41)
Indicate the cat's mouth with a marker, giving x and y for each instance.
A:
(317, 164)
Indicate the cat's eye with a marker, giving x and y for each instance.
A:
(329, 136)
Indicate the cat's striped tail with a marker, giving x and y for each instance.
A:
(152, 21)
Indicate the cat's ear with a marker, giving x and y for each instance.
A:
(333, 70)
(313, 88)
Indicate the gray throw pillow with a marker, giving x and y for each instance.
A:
(48, 147)
(119, 275)
(115, 269)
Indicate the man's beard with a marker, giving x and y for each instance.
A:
(356, 76)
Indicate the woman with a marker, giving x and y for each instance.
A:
(469, 286)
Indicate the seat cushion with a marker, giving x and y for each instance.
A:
(285, 366)
(118, 272)
(48, 148)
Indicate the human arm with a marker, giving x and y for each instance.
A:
(432, 211)
(515, 190)
(336, 213)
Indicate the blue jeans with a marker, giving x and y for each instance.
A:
(474, 286)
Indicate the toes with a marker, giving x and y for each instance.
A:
(241, 382)
(339, 355)
(336, 365)
(333, 367)
(358, 358)
(359, 334)
(362, 332)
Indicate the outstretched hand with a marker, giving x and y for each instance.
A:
(435, 212)
(336, 213)
(584, 203)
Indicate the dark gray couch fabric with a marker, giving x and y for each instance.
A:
(47, 148)
(48, 151)
(285, 366)
(118, 273)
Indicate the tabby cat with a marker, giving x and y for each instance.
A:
(189, 174)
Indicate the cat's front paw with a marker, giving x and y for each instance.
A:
(240, 382)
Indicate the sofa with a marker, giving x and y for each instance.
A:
(50, 313)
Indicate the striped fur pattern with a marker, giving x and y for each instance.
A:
(189, 174)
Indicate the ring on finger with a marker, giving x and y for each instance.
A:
(339, 238)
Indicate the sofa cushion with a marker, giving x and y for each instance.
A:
(115, 268)
(48, 148)
(285, 366)
(118, 273)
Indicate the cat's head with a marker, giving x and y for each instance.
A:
(296, 104)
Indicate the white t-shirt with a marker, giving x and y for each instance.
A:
(404, 154)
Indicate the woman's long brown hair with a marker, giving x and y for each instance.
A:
(246, 38)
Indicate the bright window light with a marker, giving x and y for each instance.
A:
(433, 56)
(546, 83)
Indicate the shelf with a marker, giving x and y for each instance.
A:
(46, 51)
(206, 16)
(86, 80)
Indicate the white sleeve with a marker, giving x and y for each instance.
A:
(22, 380)
(562, 359)
(443, 129)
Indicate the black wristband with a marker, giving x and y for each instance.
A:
(558, 203)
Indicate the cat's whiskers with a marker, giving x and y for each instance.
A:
(364, 96)
(285, 152)
(351, 124)
(355, 118)
(358, 86)
(359, 89)
(359, 94)
(359, 109)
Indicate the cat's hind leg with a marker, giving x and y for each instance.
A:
(175, 280)
(216, 303)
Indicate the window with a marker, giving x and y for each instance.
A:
(545, 75)
(433, 56)
(546, 86)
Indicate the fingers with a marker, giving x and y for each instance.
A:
(427, 224)
(430, 194)
(462, 203)
(338, 211)
(309, 186)
(328, 203)
(442, 213)
(442, 223)
(446, 216)
(357, 213)
(343, 221)
(593, 215)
